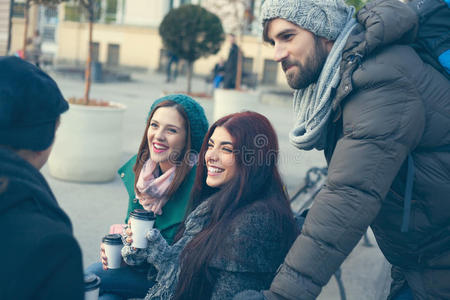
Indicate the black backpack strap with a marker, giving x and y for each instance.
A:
(408, 194)
(410, 185)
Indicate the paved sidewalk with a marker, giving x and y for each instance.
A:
(93, 207)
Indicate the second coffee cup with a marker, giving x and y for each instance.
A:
(91, 286)
(113, 246)
(141, 222)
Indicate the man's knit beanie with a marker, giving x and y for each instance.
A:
(325, 18)
(196, 115)
(30, 105)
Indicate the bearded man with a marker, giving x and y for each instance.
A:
(382, 117)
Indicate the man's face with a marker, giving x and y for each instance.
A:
(301, 54)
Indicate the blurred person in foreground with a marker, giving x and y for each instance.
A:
(41, 258)
(382, 117)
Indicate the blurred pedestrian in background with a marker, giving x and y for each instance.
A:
(229, 81)
(218, 73)
(173, 60)
(36, 51)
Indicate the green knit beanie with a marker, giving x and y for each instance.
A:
(196, 115)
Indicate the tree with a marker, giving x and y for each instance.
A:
(92, 8)
(233, 13)
(26, 15)
(191, 32)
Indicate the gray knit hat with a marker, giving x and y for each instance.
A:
(325, 18)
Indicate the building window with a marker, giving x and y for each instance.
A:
(18, 10)
(49, 33)
(72, 12)
(111, 11)
(249, 78)
(113, 55)
(95, 51)
(51, 14)
(270, 71)
(247, 64)
(76, 13)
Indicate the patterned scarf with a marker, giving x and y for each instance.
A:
(152, 186)
(312, 105)
(166, 258)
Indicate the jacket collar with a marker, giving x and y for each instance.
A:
(380, 23)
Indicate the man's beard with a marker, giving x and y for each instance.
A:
(308, 73)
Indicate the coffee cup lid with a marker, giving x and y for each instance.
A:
(91, 281)
(142, 214)
(112, 239)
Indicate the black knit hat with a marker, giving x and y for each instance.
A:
(30, 104)
(195, 114)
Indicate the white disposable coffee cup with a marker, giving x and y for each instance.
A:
(91, 286)
(141, 222)
(113, 247)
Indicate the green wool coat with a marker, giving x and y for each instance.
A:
(173, 211)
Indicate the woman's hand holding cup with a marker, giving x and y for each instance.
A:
(141, 221)
(103, 257)
(129, 233)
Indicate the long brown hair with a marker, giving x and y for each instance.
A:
(182, 161)
(257, 179)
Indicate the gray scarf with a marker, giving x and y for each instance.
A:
(312, 105)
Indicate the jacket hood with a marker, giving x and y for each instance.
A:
(381, 23)
(20, 181)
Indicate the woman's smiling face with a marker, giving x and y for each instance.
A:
(220, 158)
(166, 136)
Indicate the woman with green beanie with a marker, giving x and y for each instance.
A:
(159, 178)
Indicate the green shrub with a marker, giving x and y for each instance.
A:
(191, 32)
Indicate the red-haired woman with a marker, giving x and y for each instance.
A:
(242, 225)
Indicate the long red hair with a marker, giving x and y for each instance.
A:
(255, 146)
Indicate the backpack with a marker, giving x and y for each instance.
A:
(433, 37)
(433, 46)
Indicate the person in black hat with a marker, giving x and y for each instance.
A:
(41, 258)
